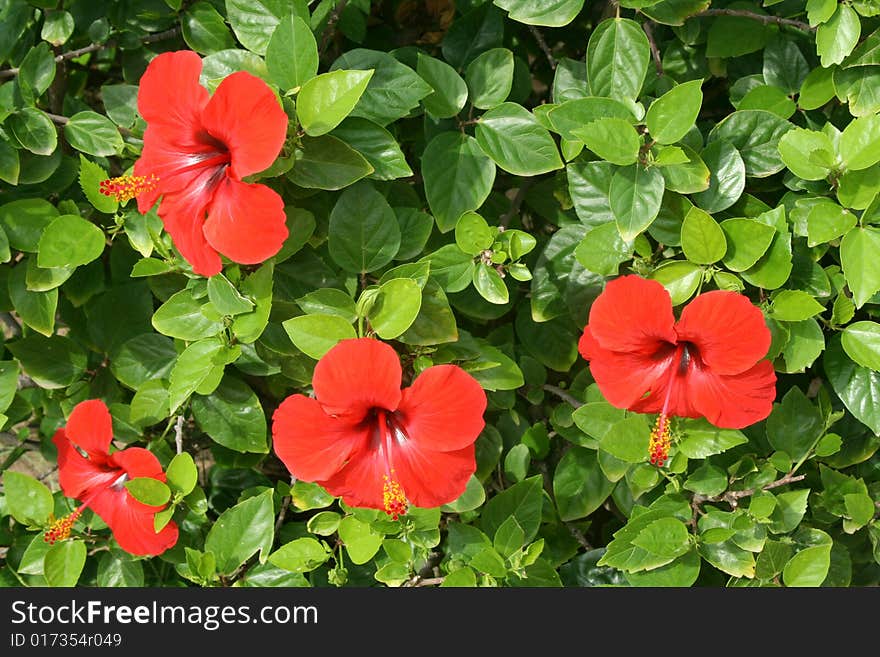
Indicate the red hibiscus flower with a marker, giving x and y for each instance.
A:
(89, 473)
(377, 446)
(197, 149)
(707, 364)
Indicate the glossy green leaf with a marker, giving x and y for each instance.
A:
(364, 233)
(241, 531)
(324, 100)
(511, 136)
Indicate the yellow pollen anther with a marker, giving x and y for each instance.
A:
(128, 187)
(60, 529)
(393, 498)
(660, 442)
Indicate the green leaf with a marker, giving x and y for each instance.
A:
(472, 234)
(118, 569)
(10, 164)
(435, 322)
(233, 416)
(579, 485)
(805, 343)
(627, 440)
(292, 53)
(360, 540)
(64, 563)
(377, 145)
(70, 241)
(34, 130)
(143, 358)
(551, 13)
(247, 327)
(316, 334)
(36, 309)
(489, 77)
(204, 29)
(450, 90)
(148, 490)
(522, 501)
(578, 112)
(727, 178)
(612, 139)
(181, 317)
(827, 221)
(324, 100)
(702, 239)
(858, 251)
(858, 387)
(364, 233)
(860, 143)
(57, 28)
(771, 99)
(794, 425)
(490, 285)
(90, 177)
(618, 55)
(254, 21)
(182, 473)
(458, 177)
(671, 116)
(794, 306)
(701, 439)
(682, 572)
(225, 298)
(52, 362)
(817, 88)
(194, 365)
(809, 567)
(634, 196)
(836, 37)
(680, 278)
(747, 241)
(861, 342)
(301, 555)
(665, 537)
(513, 138)
(9, 371)
(394, 89)
(327, 162)
(242, 530)
(24, 222)
(451, 267)
(93, 133)
(27, 500)
(603, 250)
(755, 134)
(732, 36)
(805, 151)
(329, 301)
(395, 307)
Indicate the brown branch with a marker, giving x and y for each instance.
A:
(655, 51)
(330, 28)
(563, 395)
(542, 44)
(766, 19)
(733, 497)
(579, 536)
(178, 434)
(92, 47)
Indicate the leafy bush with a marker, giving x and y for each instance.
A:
(460, 181)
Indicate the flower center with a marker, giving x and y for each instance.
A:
(60, 528)
(393, 498)
(661, 438)
(125, 188)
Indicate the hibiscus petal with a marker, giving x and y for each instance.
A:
(246, 222)
(138, 462)
(360, 482)
(244, 114)
(430, 478)
(633, 314)
(734, 401)
(132, 522)
(357, 375)
(729, 332)
(443, 409)
(170, 98)
(311, 444)
(77, 474)
(90, 427)
(626, 380)
(183, 215)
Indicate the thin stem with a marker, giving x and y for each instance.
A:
(655, 51)
(563, 395)
(92, 47)
(542, 44)
(330, 28)
(178, 434)
(734, 496)
(766, 19)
